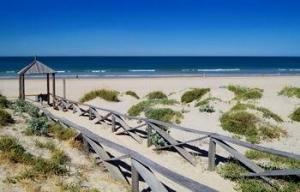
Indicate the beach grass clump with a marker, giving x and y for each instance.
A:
(194, 94)
(108, 95)
(207, 109)
(37, 126)
(142, 106)
(76, 187)
(45, 145)
(290, 92)
(273, 160)
(21, 106)
(156, 95)
(266, 113)
(246, 124)
(245, 93)
(295, 116)
(164, 114)
(233, 171)
(4, 103)
(5, 118)
(132, 93)
(61, 132)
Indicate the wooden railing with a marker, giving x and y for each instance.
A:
(119, 125)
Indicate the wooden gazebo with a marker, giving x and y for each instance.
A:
(34, 68)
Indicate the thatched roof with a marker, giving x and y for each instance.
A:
(36, 67)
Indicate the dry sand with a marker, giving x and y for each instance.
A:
(193, 118)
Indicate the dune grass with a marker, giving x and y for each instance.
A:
(266, 113)
(194, 94)
(108, 95)
(156, 95)
(295, 116)
(4, 103)
(61, 132)
(5, 118)
(233, 171)
(132, 93)
(21, 106)
(45, 145)
(164, 114)
(245, 93)
(290, 92)
(246, 124)
(142, 106)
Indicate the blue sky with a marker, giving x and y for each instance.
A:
(150, 27)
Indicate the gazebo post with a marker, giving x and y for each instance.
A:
(20, 87)
(53, 86)
(23, 87)
(48, 89)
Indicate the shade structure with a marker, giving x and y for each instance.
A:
(36, 67)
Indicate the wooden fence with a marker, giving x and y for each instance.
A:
(119, 125)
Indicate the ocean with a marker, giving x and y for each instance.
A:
(156, 66)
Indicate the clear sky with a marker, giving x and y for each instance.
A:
(150, 27)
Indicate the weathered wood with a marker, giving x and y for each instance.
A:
(48, 89)
(131, 129)
(134, 179)
(283, 172)
(148, 176)
(248, 163)
(181, 143)
(113, 124)
(179, 179)
(172, 141)
(212, 155)
(115, 171)
(53, 89)
(126, 128)
(149, 134)
(118, 158)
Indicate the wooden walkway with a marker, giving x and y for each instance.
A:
(139, 163)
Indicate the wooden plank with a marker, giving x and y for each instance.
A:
(148, 176)
(115, 171)
(126, 127)
(113, 123)
(134, 179)
(282, 172)
(172, 141)
(149, 133)
(257, 147)
(177, 178)
(212, 155)
(118, 158)
(131, 129)
(182, 143)
(248, 163)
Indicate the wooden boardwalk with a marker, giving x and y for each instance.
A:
(141, 166)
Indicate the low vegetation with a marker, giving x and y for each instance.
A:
(295, 116)
(245, 93)
(20, 106)
(37, 126)
(164, 114)
(206, 106)
(45, 145)
(108, 95)
(5, 118)
(156, 95)
(132, 93)
(194, 94)
(290, 92)
(4, 103)
(142, 106)
(207, 109)
(60, 132)
(233, 170)
(244, 123)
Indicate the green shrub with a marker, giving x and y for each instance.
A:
(207, 101)
(4, 103)
(232, 170)
(156, 95)
(142, 106)
(296, 115)
(47, 145)
(290, 92)
(61, 132)
(207, 109)
(132, 93)
(163, 114)
(193, 95)
(108, 95)
(21, 106)
(5, 118)
(157, 140)
(245, 93)
(37, 126)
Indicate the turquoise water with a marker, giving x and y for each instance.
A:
(157, 66)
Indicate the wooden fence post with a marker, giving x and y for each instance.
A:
(211, 155)
(134, 179)
(149, 132)
(113, 123)
(90, 113)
